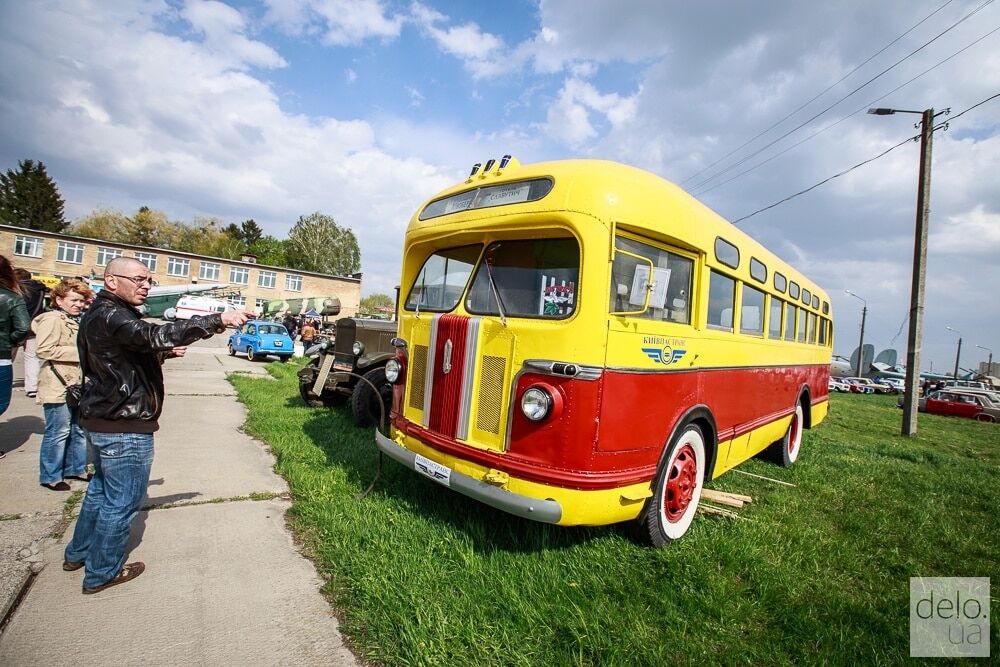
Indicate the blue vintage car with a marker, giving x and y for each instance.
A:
(257, 338)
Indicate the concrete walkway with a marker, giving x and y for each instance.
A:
(224, 583)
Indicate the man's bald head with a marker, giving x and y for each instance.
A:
(127, 278)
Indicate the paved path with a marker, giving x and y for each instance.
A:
(224, 583)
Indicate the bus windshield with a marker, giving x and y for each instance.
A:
(530, 278)
(442, 279)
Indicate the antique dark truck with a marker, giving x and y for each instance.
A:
(360, 348)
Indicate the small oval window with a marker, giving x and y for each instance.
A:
(757, 270)
(815, 301)
(826, 308)
(806, 297)
(780, 282)
(727, 253)
(793, 290)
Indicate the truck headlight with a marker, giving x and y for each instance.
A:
(536, 404)
(392, 369)
(358, 348)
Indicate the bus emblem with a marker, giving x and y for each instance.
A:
(665, 355)
(446, 361)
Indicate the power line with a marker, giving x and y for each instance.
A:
(860, 164)
(816, 97)
(859, 88)
(760, 164)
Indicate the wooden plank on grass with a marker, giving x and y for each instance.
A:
(722, 498)
(768, 479)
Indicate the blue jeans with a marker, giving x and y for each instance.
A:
(121, 473)
(6, 382)
(64, 446)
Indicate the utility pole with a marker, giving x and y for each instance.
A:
(959, 353)
(916, 328)
(861, 343)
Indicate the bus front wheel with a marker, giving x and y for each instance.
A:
(670, 511)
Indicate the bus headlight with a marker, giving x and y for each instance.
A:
(536, 404)
(358, 348)
(392, 369)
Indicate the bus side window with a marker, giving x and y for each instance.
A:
(774, 321)
(789, 322)
(670, 297)
(752, 312)
(721, 294)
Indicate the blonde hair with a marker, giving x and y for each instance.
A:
(67, 285)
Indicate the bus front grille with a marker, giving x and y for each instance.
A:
(418, 371)
(491, 394)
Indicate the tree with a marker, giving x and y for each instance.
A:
(318, 243)
(251, 232)
(375, 304)
(106, 224)
(29, 198)
(269, 250)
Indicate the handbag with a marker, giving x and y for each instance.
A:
(74, 392)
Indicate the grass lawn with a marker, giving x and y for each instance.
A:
(817, 573)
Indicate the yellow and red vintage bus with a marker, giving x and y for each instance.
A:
(582, 343)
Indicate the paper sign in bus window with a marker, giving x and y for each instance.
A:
(640, 280)
(556, 299)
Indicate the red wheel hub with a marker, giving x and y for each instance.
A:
(682, 479)
(794, 434)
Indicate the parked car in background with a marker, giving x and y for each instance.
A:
(961, 405)
(361, 348)
(858, 387)
(258, 338)
(897, 384)
(957, 402)
(876, 387)
(836, 384)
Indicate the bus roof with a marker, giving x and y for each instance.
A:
(634, 199)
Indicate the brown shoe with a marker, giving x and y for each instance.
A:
(71, 566)
(129, 572)
(58, 486)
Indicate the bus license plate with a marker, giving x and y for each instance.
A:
(432, 469)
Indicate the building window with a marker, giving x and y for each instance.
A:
(259, 305)
(147, 258)
(177, 266)
(208, 271)
(293, 283)
(105, 255)
(69, 252)
(266, 279)
(238, 301)
(239, 275)
(28, 246)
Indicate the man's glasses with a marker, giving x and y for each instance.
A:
(138, 280)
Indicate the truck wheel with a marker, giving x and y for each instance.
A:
(365, 402)
(677, 488)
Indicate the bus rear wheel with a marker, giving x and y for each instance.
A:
(785, 452)
(677, 490)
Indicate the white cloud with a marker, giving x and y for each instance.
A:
(338, 22)
(224, 28)
(467, 42)
(569, 118)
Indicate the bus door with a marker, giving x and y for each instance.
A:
(649, 380)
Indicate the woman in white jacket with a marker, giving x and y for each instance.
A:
(64, 446)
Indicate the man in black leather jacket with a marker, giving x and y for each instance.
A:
(122, 399)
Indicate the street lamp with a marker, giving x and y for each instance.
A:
(959, 353)
(916, 329)
(861, 343)
(989, 364)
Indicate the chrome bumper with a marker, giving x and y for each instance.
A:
(545, 511)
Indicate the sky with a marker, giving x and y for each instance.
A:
(363, 109)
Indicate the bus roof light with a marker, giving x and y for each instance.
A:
(489, 165)
(475, 168)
